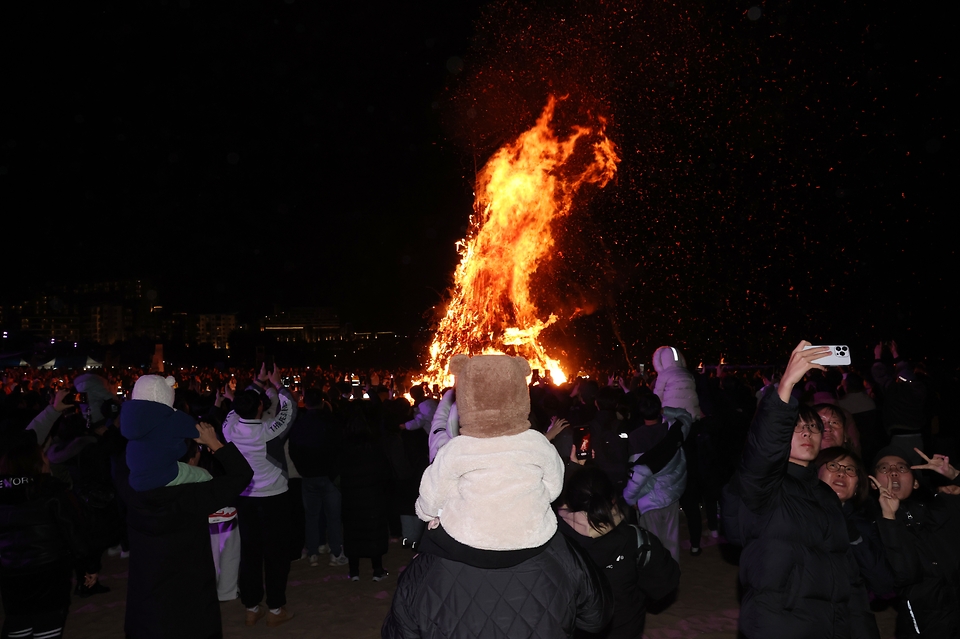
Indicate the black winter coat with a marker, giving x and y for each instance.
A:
(615, 555)
(543, 592)
(921, 546)
(172, 584)
(41, 524)
(799, 576)
(315, 440)
(364, 486)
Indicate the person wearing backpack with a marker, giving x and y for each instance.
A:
(633, 560)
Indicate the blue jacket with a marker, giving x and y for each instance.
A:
(156, 433)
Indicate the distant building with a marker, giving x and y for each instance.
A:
(108, 323)
(301, 325)
(216, 329)
(44, 317)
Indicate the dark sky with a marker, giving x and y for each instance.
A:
(785, 172)
(286, 152)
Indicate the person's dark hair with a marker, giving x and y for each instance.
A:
(649, 406)
(416, 392)
(247, 403)
(607, 398)
(854, 383)
(627, 405)
(313, 398)
(590, 491)
(192, 449)
(836, 410)
(588, 390)
(807, 415)
(21, 455)
(838, 452)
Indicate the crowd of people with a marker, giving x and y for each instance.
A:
(836, 483)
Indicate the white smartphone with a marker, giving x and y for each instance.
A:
(839, 356)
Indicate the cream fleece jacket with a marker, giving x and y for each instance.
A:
(494, 493)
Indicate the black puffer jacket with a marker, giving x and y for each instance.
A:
(40, 524)
(543, 592)
(800, 577)
(921, 548)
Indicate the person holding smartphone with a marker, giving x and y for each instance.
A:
(799, 575)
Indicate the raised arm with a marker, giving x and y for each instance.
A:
(764, 461)
(43, 423)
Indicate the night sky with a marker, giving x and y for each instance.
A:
(784, 170)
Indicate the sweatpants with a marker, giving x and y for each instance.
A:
(39, 625)
(264, 549)
(225, 543)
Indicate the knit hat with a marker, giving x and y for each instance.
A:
(492, 395)
(154, 388)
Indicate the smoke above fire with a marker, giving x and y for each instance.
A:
(525, 187)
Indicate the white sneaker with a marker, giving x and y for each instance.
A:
(339, 560)
(324, 549)
(314, 560)
(114, 551)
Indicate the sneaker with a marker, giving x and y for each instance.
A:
(124, 554)
(339, 560)
(314, 560)
(324, 549)
(253, 616)
(114, 551)
(695, 551)
(714, 534)
(380, 576)
(96, 589)
(354, 577)
(274, 619)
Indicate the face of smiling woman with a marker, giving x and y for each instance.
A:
(838, 481)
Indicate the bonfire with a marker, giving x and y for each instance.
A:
(521, 190)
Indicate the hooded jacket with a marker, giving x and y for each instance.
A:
(653, 490)
(156, 435)
(675, 385)
(494, 493)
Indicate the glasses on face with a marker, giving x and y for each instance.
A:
(890, 468)
(849, 471)
(810, 428)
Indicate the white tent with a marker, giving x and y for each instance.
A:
(73, 361)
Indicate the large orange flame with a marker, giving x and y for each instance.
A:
(520, 191)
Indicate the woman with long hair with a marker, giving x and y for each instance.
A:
(634, 561)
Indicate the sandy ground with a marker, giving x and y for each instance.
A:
(326, 604)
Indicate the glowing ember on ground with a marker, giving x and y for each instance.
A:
(520, 191)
